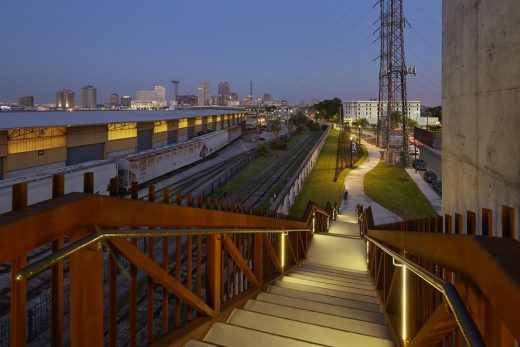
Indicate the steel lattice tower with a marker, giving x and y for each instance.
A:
(392, 82)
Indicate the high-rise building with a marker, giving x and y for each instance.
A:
(114, 99)
(223, 93)
(126, 101)
(150, 98)
(204, 94)
(160, 96)
(26, 101)
(88, 97)
(266, 97)
(65, 99)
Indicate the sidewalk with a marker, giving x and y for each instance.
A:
(430, 194)
(356, 195)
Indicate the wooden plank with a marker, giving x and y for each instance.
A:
(213, 271)
(18, 300)
(57, 298)
(258, 257)
(229, 245)
(112, 301)
(272, 253)
(86, 297)
(178, 270)
(158, 274)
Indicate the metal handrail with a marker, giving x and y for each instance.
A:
(99, 236)
(466, 324)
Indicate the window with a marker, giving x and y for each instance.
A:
(28, 140)
(122, 131)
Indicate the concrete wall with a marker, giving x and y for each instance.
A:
(481, 103)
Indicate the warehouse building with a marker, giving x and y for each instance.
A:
(32, 142)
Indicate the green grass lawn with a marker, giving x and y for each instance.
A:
(319, 185)
(392, 188)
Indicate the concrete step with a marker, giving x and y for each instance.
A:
(336, 270)
(322, 295)
(197, 343)
(320, 319)
(306, 304)
(302, 331)
(334, 290)
(316, 271)
(236, 336)
(307, 272)
(362, 286)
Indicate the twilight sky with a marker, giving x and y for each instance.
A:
(294, 49)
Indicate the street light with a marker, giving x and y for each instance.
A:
(359, 135)
(350, 151)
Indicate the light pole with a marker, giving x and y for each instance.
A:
(359, 135)
(350, 151)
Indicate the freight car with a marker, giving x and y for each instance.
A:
(39, 186)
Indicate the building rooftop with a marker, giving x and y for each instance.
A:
(16, 120)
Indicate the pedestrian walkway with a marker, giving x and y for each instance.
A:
(356, 195)
(430, 194)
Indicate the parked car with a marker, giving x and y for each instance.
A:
(430, 176)
(419, 164)
(437, 186)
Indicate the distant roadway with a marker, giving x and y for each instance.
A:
(432, 158)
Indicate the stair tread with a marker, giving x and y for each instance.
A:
(310, 273)
(337, 270)
(345, 283)
(341, 311)
(198, 343)
(303, 331)
(302, 292)
(320, 319)
(324, 289)
(233, 335)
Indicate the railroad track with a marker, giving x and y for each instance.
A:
(265, 180)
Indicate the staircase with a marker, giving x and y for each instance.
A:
(315, 304)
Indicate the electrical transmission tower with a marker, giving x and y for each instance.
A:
(393, 105)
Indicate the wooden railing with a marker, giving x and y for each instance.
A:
(484, 270)
(116, 271)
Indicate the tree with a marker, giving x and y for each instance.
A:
(411, 123)
(329, 109)
(299, 118)
(363, 122)
(277, 127)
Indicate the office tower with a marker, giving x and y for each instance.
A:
(88, 97)
(65, 99)
(114, 99)
(204, 94)
(126, 101)
(266, 97)
(26, 101)
(223, 93)
(160, 96)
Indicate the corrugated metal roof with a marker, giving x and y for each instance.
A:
(16, 120)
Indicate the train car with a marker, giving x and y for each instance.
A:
(39, 186)
(145, 166)
(214, 141)
(234, 133)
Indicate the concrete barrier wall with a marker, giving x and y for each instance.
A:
(285, 199)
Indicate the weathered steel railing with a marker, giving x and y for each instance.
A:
(131, 271)
(484, 270)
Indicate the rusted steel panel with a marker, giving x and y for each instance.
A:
(57, 298)
(272, 254)
(112, 301)
(213, 270)
(158, 274)
(18, 304)
(239, 260)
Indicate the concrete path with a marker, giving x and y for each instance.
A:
(430, 194)
(356, 195)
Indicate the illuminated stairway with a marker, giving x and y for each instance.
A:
(314, 304)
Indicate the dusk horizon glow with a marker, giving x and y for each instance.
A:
(294, 50)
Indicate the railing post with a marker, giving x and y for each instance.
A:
(86, 295)
(18, 288)
(58, 189)
(213, 255)
(88, 182)
(258, 259)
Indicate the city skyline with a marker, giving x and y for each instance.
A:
(296, 50)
